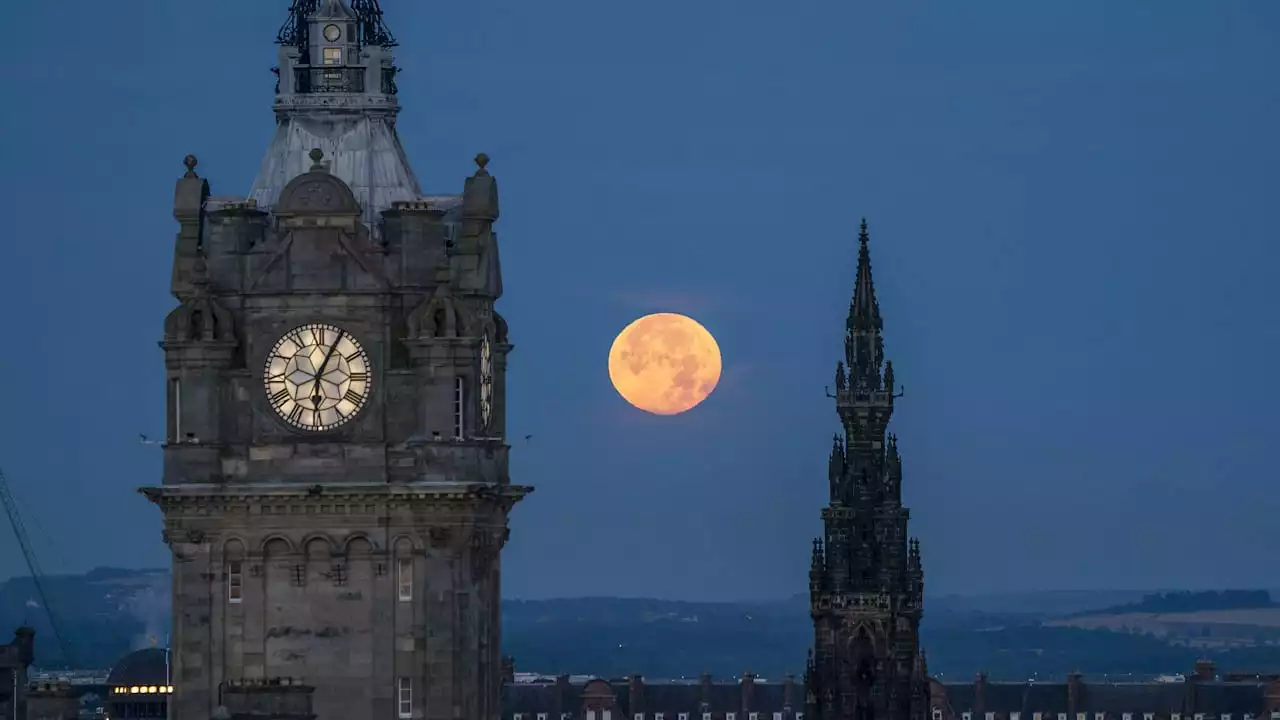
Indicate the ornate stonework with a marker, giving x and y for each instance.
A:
(363, 559)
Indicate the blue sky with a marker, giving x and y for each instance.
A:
(1074, 230)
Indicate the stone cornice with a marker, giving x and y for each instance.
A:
(444, 493)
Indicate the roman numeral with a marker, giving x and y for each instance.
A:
(359, 377)
(315, 418)
(276, 378)
(353, 397)
(281, 396)
(317, 336)
(295, 414)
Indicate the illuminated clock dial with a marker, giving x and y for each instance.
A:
(317, 377)
(332, 33)
(486, 382)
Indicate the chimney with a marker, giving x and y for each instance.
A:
(508, 670)
(788, 692)
(635, 693)
(748, 692)
(562, 695)
(980, 695)
(1075, 688)
(704, 692)
(1205, 671)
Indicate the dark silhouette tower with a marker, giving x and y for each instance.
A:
(866, 585)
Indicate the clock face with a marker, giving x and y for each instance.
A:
(332, 33)
(317, 377)
(486, 382)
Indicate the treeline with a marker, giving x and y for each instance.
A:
(1184, 602)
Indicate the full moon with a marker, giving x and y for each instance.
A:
(664, 363)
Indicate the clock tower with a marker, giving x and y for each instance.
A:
(335, 487)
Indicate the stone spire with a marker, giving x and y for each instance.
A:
(336, 91)
(863, 346)
(865, 576)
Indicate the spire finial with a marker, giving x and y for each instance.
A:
(863, 235)
(190, 162)
(317, 155)
(482, 162)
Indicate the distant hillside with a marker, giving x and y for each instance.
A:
(107, 613)
(1190, 602)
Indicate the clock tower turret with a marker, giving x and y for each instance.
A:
(336, 485)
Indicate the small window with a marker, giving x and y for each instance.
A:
(542, 716)
(799, 716)
(777, 716)
(459, 396)
(1199, 716)
(1015, 716)
(332, 56)
(404, 697)
(753, 716)
(404, 579)
(991, 716)
(235, 582)
(299, 575)
(1178, 716)
(937, 714)
(706, 716)
(1126, 716)
(657, 716)
(1062, 716)
(518, 716)
(731, 716)
(1226, 716)
(638, 716)
(682, 716)
(1036, 716)
(1100, 716)
(1152, 716)
(967, 716)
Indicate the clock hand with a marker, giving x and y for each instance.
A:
(315, 389)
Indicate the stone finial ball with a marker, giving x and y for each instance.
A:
(316, 155)
(482, 160)
(190, 162)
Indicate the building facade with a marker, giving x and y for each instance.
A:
(866, 584)
(335, 487)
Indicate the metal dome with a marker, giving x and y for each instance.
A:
(143, 667)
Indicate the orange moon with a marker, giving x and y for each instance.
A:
(664, 363)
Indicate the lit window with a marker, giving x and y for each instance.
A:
(459, 393)
(235, 582)
(404, 697)
(777, 716)
(333, 56)
(404, 578)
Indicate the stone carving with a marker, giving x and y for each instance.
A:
(316, 196)
(195, 537)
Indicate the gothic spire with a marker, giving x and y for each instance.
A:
(864, 310)
(863, 346)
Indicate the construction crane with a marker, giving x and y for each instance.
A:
(33, 565)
